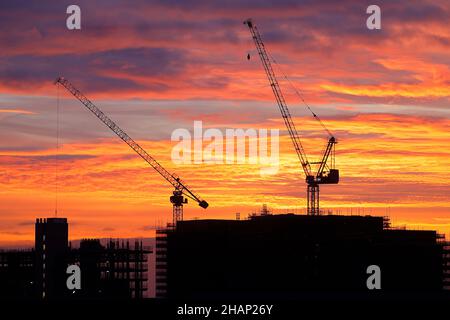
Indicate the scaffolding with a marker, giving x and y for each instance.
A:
(446, 265)
(115, 269)
(161, 262)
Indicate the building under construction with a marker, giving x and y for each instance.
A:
(289, 255)
(17, 274)
(116, 270)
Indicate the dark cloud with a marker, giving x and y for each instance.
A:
(40, 160)
(26, 223)
(87, 70)
(150, 227)
(13, 233)
(416, 12)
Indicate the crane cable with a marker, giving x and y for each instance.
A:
(57, 151)
(299, 94)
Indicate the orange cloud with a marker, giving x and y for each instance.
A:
(385, 161)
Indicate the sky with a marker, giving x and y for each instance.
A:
(156, 66)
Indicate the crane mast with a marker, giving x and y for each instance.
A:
(324, 174)
(181, 188)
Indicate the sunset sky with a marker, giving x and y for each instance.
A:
(155, 66)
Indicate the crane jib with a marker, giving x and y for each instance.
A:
(280, 99)
(171, 178)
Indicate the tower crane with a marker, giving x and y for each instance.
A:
(326, 174)
(181, 192)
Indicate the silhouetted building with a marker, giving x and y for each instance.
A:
(17, 274)
(289, 255)
(161, 262)
(447, 265)
(114, 271)
(51, 247)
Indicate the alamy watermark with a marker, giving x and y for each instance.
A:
(374, 279)
(229, 146)
(373, 22)
(73, 21)
(73, 281)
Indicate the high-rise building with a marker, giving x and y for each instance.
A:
(111, 270)
(51, 247)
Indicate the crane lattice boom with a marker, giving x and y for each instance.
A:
(324, 174)
(280, 99)
(179, 185)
